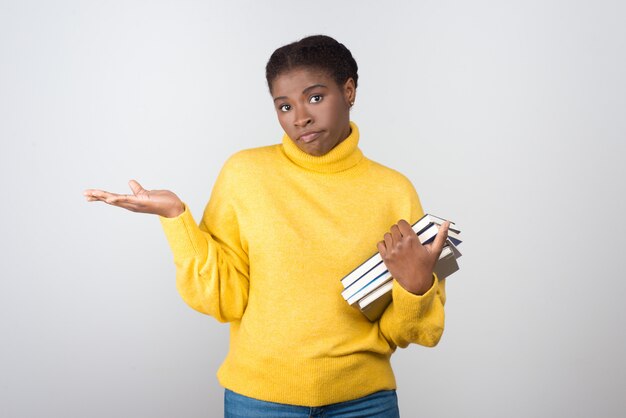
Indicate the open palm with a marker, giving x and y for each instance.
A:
(159, 202)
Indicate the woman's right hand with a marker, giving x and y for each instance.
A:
(159, 202)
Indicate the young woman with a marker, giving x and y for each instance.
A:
(283, 225)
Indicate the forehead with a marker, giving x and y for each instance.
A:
(294, 81)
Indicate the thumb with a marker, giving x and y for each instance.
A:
(441, 238)
(135, 187)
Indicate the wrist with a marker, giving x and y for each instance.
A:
(174, 211)
(418, 287)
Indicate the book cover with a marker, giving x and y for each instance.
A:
(447, 264)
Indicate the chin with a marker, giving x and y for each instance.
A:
(317, 152)
(314, 153)
(310, 150)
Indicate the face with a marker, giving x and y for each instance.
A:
(312, 109)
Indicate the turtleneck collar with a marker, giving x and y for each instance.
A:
(344, 156)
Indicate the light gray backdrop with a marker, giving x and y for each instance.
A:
(508, 116)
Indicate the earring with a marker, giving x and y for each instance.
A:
(351, 104)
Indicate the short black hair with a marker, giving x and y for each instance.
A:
(320, 52)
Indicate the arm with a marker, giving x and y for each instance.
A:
(416, 314)
(212, 266)
(417, 319)
(211, 269)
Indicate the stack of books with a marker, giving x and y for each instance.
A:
(368, 287)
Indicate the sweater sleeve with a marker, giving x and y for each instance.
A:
(411, 318)
(414, 319)
(212, 271)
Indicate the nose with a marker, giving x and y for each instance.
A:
(303, 117)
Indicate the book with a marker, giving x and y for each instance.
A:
(428, 219)
(374, 304)
(454, 249)
(371, 284)
(368, 287)
(371, 276)
(361, 270)
(447, 264)
(419, 227)
(428, 235)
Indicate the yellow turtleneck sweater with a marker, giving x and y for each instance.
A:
(281, 229)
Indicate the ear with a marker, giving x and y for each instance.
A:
(349, 91)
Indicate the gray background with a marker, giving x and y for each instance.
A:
(508, 116)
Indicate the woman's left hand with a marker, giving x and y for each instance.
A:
(408, 261)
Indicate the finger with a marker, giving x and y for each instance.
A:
(395, 233)
(135, 187)
(405, 228)
(94, 199)
(95, 195)
(94, 192)
(388, 241)
(129, 203)
(441, 238)
(122, 198)
(382, 249)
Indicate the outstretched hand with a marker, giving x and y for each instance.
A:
(408, 261)
(159, 202)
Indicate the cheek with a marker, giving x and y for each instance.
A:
(283, 120)
(336, 115)
(339, 108)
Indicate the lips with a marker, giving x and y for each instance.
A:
(309, 136)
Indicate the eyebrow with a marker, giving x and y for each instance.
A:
(305, 91)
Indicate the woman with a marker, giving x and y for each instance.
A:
(283, 225)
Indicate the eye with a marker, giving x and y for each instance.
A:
(284, 108)
(316, 99)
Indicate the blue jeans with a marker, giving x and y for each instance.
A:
(383, 404)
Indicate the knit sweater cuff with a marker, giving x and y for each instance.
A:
(410, 304)
(184, 236)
